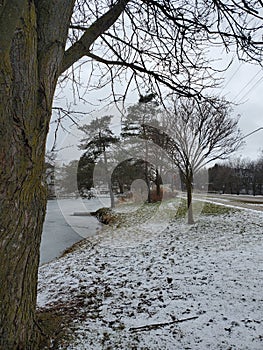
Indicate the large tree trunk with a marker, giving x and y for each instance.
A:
(23, 128)
(22, 212)
(27, 83)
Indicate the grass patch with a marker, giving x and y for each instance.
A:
(148, 210)
(215, 209)
(54, 326)
(169, 209)
(55, 322)
(140, 215)
(205, 208)
(182, 209)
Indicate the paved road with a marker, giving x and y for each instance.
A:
(62, 228)
(241, 201)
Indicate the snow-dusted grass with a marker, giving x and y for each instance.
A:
(138, 273)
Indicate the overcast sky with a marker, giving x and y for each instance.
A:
(243, 85)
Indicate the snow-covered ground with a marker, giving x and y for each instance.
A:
(209, 276)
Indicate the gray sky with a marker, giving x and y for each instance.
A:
(243, 85)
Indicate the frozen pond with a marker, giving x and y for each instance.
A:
(62, 228)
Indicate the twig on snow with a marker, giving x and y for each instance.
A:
(157, 325)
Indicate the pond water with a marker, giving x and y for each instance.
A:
(66, 223)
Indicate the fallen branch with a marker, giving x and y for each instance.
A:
(158, 325)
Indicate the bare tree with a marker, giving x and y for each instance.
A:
(158, 42)
(197, 133)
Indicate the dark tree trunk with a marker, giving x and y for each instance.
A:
(121, 186)
(190, 216)
(22, 213)
(22, 210)
(22, 194)
(147, 180)
(189, 189)
(27, 82)
(158, 181)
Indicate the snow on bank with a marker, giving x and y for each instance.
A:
(131, 278)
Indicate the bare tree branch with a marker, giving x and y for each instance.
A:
(102, 24)
(163, 42)
(168, 81)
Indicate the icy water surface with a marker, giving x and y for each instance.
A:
(66, 224)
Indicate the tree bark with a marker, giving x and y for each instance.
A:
(22, 195)
(22, 213)
(158, 181)
(28, 79)
(189, 189)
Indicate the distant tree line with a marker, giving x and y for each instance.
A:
(237, 176)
